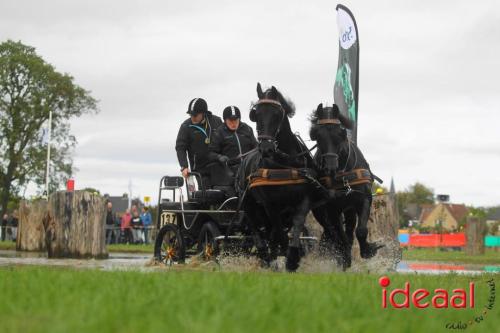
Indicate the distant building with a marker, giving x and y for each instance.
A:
(120, 204)
(443, 215)
(493, 217)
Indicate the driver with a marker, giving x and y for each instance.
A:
(232, 139)
(194, 138)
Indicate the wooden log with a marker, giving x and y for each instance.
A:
(76, 225)
(474, 232)
(31, 230)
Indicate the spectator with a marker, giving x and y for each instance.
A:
(4, 226)
(126, 228)
(110, 224)
(14, 221)
(137, 227)
(147, 221)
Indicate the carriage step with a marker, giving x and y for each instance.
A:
(241, 237)
(309, 238)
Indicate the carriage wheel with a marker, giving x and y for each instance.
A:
(169, 245)
(207, 245)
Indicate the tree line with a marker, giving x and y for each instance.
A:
(29, 89)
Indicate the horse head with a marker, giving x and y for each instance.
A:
(270, 113)
(328, 129)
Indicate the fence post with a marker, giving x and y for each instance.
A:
(475, 232)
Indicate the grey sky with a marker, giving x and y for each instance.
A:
(429, 91)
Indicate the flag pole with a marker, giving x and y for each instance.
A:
(47, 174)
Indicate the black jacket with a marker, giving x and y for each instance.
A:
(110, 217)
(136, 222)
(232, 144)
(192, 139)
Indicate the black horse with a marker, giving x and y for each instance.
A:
(344, 170)
(275, 180)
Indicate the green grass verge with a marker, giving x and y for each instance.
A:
(4, 245)
(489, 257)
(36, 299)
(132, 248)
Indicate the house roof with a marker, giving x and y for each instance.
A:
(426, 210)
(494, 215)
(458, 211)
(120, 204)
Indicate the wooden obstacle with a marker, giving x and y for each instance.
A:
(475, 232)
(31, 229)
(69, 225)
(75, 226)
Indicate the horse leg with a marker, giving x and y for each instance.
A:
(256, 213)
(341, 243)
(326, 241)
(275, 236)
(299, 220)
(367, 249)
(350, 217)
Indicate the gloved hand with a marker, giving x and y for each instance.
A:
(223, 159)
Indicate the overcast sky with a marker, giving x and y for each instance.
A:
(429, 80)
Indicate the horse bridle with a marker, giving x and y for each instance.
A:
(262, 137)
(326, 121)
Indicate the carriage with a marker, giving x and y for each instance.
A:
(195, 220)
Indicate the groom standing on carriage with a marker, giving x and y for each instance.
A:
(194, 139)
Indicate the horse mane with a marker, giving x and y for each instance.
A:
(346, 122)
(313, 117)
(285, 102)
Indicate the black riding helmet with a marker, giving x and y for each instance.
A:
(231, 112)
(197, 105)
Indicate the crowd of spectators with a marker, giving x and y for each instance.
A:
(8, 226)
(131, 227)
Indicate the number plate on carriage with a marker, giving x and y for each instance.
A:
(168, 218)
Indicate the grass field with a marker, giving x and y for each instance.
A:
(132, 248)
(36, 299)
(489, 257)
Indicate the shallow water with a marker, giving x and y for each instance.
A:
(309, 264)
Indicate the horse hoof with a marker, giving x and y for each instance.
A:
(370, 250)
(292, 259)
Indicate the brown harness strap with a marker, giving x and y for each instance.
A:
(348, 179)
(276, 177)
(328, 121)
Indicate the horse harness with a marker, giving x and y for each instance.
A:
(279, 177)
(344, 180)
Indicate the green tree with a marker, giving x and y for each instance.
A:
(29, 89)
(418, 194)
(92, 190)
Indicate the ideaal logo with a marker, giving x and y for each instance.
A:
(439, 299)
